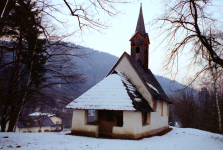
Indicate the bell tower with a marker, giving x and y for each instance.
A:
(140, 43)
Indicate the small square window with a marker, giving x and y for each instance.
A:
(146, 118)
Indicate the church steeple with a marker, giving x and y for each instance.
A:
(140, 27)
(140, 43)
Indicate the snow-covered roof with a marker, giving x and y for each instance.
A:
(109, 94)
(41, 114)
(147, 77)
(114, 92)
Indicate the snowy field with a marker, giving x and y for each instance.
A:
(177, 139)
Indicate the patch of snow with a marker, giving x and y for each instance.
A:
(131, 88)
(138, 99)
(41, 114)
(152, 87)
(177, 124)
(178, 138)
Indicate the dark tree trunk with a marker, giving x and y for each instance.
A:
(3, 124)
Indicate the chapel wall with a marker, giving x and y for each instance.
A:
(131, 126)
(159, 121)
(79, 124)
(125, 67)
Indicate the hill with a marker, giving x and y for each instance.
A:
(178, 138)
(96, 67)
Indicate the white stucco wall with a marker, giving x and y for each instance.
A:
(55, 119)
(125, 67)
(158, 120)
(129, 120)
(79, 122)
(132, 126)
(132, 123)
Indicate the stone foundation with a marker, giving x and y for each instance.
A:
(122, 136)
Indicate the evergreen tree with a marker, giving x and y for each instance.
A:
(27, 60)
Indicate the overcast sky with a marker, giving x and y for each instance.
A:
(115, 39)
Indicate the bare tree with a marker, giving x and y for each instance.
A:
(196, 110)
(23, 77)
(215, 74)
(186, 25)
(184, 108)
(215, 71)
(83, 16)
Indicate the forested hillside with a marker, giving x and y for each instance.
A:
(94, 67)
(97, 64)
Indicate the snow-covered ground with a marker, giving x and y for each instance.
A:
(177, 139)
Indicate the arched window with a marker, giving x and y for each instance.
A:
(137, 49)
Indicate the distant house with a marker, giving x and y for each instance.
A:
(39, 122)
(129, 102)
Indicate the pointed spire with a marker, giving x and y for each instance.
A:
(140, 27)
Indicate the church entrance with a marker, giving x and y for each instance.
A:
(107, 119)
(106, 122)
